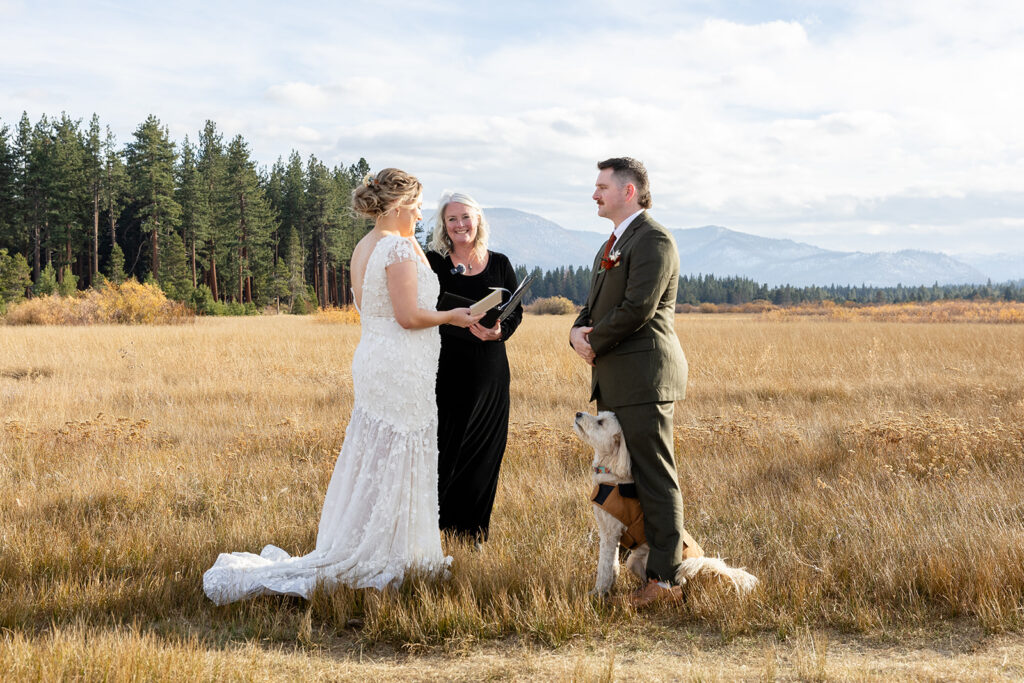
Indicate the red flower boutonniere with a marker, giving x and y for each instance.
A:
(611, 261)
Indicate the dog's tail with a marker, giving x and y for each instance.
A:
(742, 580)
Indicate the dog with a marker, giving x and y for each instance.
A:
(620, 519)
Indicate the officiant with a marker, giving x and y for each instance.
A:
(473, 373)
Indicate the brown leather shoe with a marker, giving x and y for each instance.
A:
(653, 594)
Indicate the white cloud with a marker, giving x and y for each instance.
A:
(303, 95)
(779, 124)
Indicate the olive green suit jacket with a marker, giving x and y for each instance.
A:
(631, 307)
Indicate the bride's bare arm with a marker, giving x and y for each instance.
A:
(401, 278)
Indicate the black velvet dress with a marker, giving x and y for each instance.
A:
(472, 402)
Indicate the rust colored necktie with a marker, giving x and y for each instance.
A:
(608, 246)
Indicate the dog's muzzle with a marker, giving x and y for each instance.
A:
(577, 424)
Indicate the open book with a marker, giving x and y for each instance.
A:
(496, 310)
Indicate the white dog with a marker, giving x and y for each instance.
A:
(619, 519)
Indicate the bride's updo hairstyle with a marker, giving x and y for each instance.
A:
(382, 191)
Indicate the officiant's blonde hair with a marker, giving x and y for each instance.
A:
(439, 240)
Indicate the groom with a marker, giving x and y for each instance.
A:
(625, 332)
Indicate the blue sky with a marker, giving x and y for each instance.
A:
(849, 125)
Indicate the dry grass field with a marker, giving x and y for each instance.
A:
(870, 473)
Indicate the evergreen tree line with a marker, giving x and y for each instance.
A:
(696, 289)
(574, 283)
(204, 222)
(199, 218)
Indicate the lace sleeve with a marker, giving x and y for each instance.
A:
(400, 250)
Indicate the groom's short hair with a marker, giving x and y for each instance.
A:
(630, 170)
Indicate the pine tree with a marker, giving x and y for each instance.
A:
(15, 278)
(250, 216)
(34, 181)
(349, 231)
(175, 279)
(323, 213)
(47, 281)
(210, 236)
(94, 175)
(278, 283)
(295, 259)
(195, 209)
(8, 190)
(273, 188)
(357, 171)
(150, 162)
(291, 214)
(68, 284)
(115, 265)
(114, 186)
(70, 199)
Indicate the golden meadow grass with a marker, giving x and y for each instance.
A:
(871, 474)
(959, 310)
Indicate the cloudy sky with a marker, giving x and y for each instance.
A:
(849, 125)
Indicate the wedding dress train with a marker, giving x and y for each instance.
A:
(380, 513)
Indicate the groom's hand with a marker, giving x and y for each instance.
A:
(579, 338)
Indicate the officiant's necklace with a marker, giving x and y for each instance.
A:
(466, 263)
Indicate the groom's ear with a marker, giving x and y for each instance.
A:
(630, 191)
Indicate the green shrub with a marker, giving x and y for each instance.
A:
(47, 283)
(115, 267)
(201, 300)
(68, 284)
(301, 306)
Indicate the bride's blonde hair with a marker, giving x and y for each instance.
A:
(384, 190)
(441, 242)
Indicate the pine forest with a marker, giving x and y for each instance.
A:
(202, 221)
(198, 217)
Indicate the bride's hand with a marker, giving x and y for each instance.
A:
(462, 317)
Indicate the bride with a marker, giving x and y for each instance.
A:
(380, 514)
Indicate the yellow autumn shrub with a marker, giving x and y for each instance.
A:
(130, 303)
(346, 315)
(552, 305)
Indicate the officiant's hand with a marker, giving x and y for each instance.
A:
(486, 333)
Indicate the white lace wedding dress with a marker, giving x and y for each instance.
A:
(380, 514)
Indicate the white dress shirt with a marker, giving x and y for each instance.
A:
(621, 227)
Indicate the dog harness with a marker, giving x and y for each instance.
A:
(621, 502)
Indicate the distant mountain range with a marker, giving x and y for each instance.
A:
(530, 240)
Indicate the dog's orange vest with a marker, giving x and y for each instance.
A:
(621, 502)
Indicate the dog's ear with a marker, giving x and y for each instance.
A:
(623, 465)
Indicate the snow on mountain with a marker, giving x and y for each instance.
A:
(531, 240)
(1000, 267)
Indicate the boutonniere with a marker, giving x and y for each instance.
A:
(611, 261)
